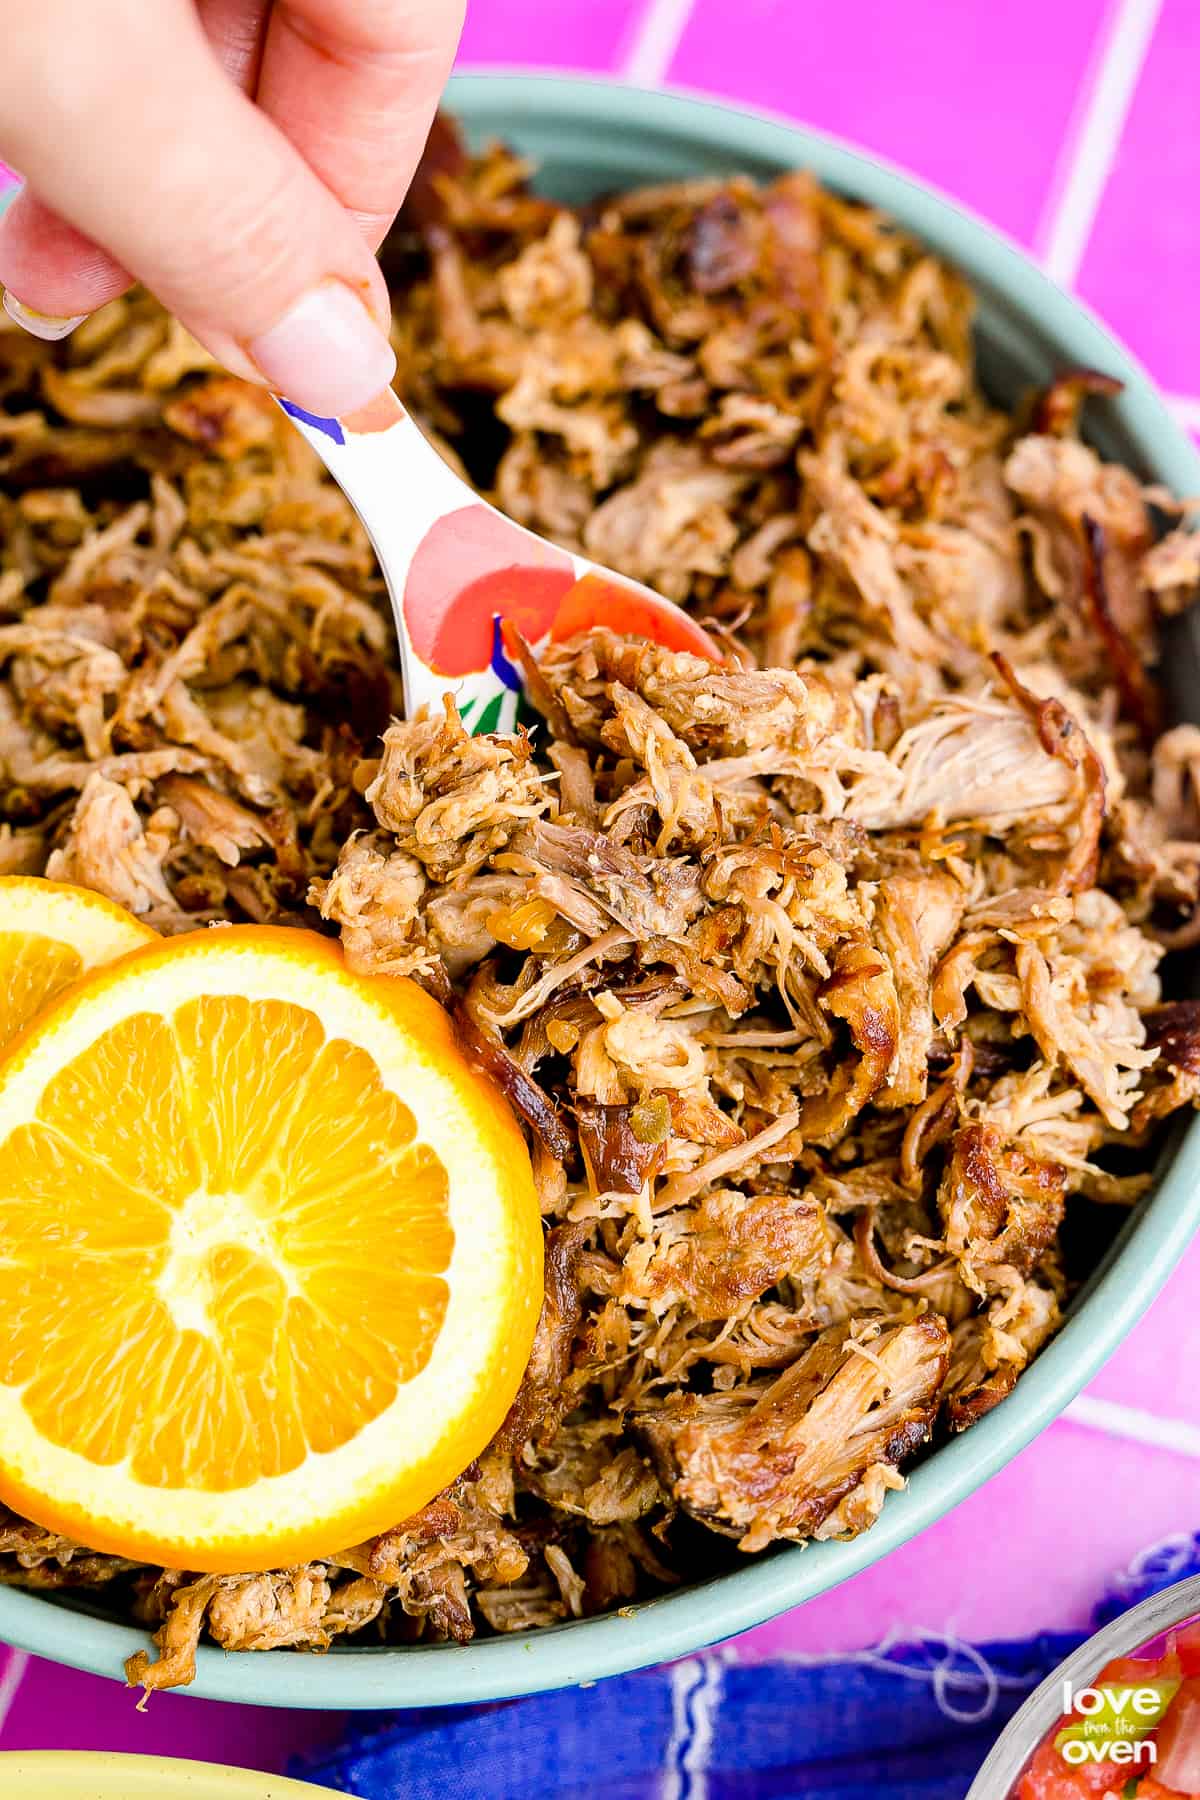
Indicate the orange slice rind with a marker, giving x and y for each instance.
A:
(270, 1255)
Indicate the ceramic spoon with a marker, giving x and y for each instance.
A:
(461, 576)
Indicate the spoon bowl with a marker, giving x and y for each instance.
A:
(474, 595)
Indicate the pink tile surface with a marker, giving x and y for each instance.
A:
(972, 97)
(584, 34)
(1142, 268)
(62, 1709)
(989, 103)
(1155, 1368)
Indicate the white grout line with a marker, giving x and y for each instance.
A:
(10, 1680)
(1115, 1420)
(1095, 138)
(655, 41)
(1186, 409)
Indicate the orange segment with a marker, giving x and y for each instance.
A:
(50, 935)
(307, 1301)
(33, 968)
(57, 1204)
(123, 1104)
(241, 1065)
(358, 1126)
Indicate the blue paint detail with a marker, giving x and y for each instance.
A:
(330, 427)
(501, 668)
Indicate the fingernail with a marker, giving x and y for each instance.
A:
(47, 326)
(326, 353)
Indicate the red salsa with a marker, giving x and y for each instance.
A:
(1133, 1733)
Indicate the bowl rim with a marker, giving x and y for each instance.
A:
(1147, 1249)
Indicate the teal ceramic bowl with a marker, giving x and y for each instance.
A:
(589, 137)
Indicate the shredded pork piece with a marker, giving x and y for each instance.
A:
(451, 800)
(989, 1350)
(775, 1460)
(916, 918)
(1000, 1207)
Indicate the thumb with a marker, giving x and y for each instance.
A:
(140, 142)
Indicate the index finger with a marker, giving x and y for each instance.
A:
(355, 84)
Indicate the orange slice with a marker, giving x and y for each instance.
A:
(50, 935)
(270, 1255)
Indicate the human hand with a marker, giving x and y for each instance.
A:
(243, 158)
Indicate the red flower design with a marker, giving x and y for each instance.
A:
(464, 573)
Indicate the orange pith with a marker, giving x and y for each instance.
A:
(228, 1255)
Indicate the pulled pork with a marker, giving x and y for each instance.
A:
(826, 980)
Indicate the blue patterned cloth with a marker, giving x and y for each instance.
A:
(912, 1721)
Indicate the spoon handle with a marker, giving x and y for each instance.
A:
(461, 575)
(396, 494)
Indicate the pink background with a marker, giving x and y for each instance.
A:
(1072, 124)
